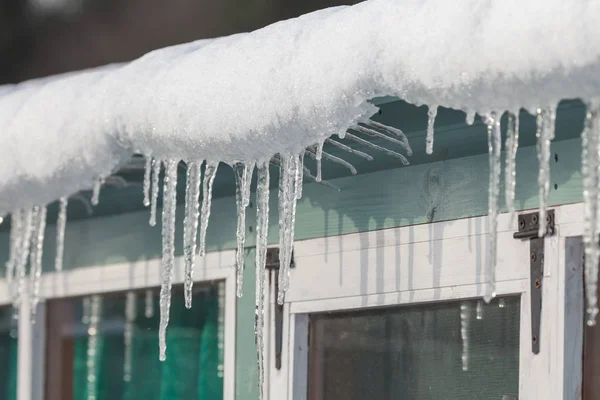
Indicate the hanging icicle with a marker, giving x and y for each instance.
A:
(262, 231)
(96, 191)
(465, 322)
(373, 133)
(544, 134)
(23, 255)
(210, 171)
(389, 152)
(288, 196)
(16, 225)
(590, 170)
(470, 117)
(92, 350)
(37, 247)
(61, 224)
(190, 226)
(349, 149)
(156, 165)
(130, 314)
(318, 158)
(394, 131)
(149, 307)
(243, 177)
(431, 114)
(510, 172)
(147, 175)
(168, 258)
(494, 147)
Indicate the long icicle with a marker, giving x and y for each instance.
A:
(16, 225)
(394, 131)
(243, 177)
(168, 258)
(190, 226)
(494, 147)
(373, 133)
(92, 350)
(349, 149)
(510, 172)
(262, 227)
(156, 165)
(590, 165)
(130, 314)
(61, 224)
(23, 256)
(147, 175)
(465, 322)
(319, 157)
(431, 114)
(300, 180)
(210, 172)
(389, 152)
(544, 134)
(37, 248)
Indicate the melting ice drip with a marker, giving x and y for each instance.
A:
(130, 314)
(465, 321)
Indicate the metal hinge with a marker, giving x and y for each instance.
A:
(529, 225)
(272, 265)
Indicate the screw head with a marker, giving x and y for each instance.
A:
(534, 219)
(533, 256)
(521, 223)
(534, 339)
(538, 284)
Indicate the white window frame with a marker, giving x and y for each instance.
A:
(369, 278)
(84, 281)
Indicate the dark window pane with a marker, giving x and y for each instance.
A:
(416, 352)
(8, 354)
(106, 347)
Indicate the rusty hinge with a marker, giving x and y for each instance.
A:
(529, 225)
(272, 265)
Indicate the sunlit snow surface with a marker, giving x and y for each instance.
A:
(286, 89)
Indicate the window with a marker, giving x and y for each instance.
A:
(8, 354)
(106, 347)
(384, 320)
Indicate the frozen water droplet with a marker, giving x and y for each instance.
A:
(156, 165)
(147, 175)
(61, 224)
(190, 226)
(210, 172)
(544, 133)
(168, 258)
(96, 191)
(431, 114)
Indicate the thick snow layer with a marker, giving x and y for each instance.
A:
(292, 84)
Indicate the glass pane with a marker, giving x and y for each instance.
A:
(106, 347)
(417, 352)
(8, 354)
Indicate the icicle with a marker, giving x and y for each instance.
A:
(243, 178)
(465, 320)
(37, 247)
(190, 226)
(288, 176)
(16, 225)
(149, 308)
(334, 159)
(510, 173)
(300, 180)
(147, 174)
(479, 310)
(61, 224)
(470, 118)
(501, 303)
(262, 227)
(544, 134)
(156, 165)
(86, 306)
(130, 313)
(23, 255)
(349, 149)
(96, 191)
(494, 147)
(393, 131)
(221, 329)
(431, 114)
(373, 133)
(319, 157)
(168, 258)
(590, 166)
(95, 315)
(210, 172)
(377, 147)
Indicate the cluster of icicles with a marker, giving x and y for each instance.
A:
(28, 226)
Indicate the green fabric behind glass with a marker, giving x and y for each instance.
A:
(191, 368)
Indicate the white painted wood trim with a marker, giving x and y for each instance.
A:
(24, 353)
(229, 349)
